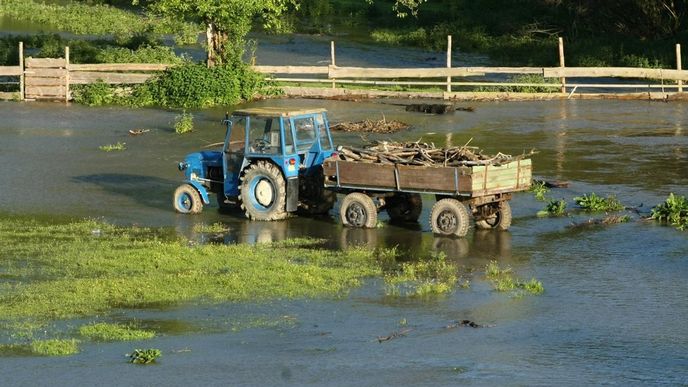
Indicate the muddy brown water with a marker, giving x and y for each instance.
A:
(614, 308)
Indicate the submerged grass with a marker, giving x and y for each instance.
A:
(504, 280)
(78, 272)
(432, 276)
(114, 332)
(119, 146)
(55, 347)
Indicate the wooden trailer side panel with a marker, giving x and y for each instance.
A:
(429, 179)
(511, 177)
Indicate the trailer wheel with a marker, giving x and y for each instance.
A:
(187, 200)
(263, 192)
(450, 218)
(404, 207)
(499, 220)
(358, 210)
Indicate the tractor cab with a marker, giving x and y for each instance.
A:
(267, 155)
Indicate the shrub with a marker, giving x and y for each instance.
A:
(94, 94)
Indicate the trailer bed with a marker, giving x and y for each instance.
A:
(464, 181)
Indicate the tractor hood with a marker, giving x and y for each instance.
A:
(197, 163)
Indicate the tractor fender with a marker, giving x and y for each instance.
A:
(201, 190)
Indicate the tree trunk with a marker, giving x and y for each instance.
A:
(216, 45)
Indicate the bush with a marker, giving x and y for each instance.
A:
(94, 94)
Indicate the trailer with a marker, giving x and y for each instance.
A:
(480, 191)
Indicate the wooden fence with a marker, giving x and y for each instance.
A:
(51, 78)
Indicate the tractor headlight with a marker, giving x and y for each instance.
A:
(182, 165)
(193, 176)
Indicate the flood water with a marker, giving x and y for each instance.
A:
(614, 308)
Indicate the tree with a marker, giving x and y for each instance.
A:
(226, 22)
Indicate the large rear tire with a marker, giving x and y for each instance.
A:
(358, 210)
(263, 192)
(499, 220)
(187, 200)
(449, 218)
(404, 207)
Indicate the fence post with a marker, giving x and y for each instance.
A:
(678, 67)
(66, 74)
(449, 50)
(334, 84)
(21, 66)
(562, 63)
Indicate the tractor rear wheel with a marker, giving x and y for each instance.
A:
(263, 192)
(358, 210)
(187, 200)
(404, 207)
(449, 217)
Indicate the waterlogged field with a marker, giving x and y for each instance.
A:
(95, 264)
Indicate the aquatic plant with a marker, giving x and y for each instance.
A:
(55, 347)
(114, 332)
(183, 123)
(554, 208)
(210, 228)
(594, 203)
(504, 280)
(673, 211)
(144, 356)
(119, 146)
(539, 189)
(434, 275)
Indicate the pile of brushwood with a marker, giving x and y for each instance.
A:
(367, 126)
(421, 153)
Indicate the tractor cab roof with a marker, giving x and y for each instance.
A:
(275, 112)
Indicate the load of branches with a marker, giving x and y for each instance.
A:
(421, 153)
(367, 126)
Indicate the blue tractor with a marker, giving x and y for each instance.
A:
(270, 165)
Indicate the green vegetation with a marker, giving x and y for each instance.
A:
(539, 189)
(55, 347)
(114, 332)
(183, 123)
(530, 81)
(503, 280)
(98, 19)
(144, 356)
(594, 203)
(673, 211)
(120, 146)
(432, 276)
(185, 86)
(554, 208)
(210, 228)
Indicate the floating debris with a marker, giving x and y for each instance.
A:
(381, 126)
(607, 220)
(553, 183)
(138, 132)
(436, 108)
(466, 323)
(394, 335)
(420, 153)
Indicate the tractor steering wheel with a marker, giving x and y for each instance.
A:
(260, 144)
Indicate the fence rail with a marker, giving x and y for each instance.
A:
(50, 78)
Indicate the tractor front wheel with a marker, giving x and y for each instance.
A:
(187, 200)
(263, 192)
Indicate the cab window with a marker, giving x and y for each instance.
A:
(264, 135)
(305, 133)
(324, 138)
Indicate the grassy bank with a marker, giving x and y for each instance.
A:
(97, 19)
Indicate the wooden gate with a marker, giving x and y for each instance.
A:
(46, 79)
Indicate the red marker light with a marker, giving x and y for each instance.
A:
(292, 161)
